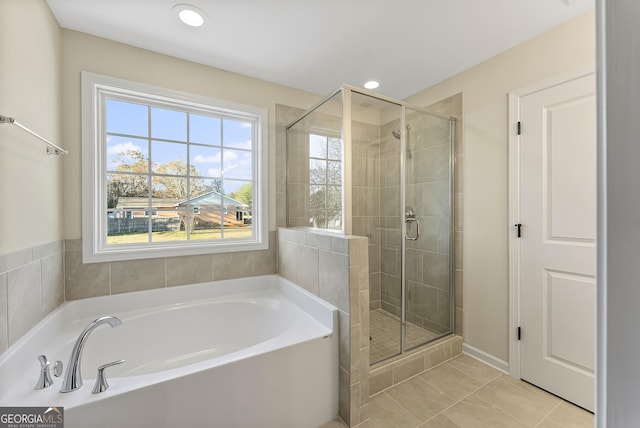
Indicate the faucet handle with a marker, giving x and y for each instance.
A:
(45, 381)
(101, 384)
(57, 368)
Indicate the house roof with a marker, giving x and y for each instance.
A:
(136, 202)
(209, 198)
(212, 198)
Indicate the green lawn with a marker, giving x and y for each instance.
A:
(196, 235)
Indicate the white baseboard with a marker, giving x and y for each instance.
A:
(488, 359)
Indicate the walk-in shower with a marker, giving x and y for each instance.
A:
(364, 164)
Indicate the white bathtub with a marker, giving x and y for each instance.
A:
(254, 352)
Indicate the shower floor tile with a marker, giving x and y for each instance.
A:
(384, 329)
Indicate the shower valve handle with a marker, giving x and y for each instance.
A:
(413, 220)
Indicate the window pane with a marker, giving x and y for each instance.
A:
(171, 187)
(237, 134)
(317, 146)
(334, 172)
(122, 186)
(237, 164)
(318, 219)
(127, 154)
(204, 129)
(127, 205)
(127, 118)
(238, 211)
(335, 149)
(211, 185)
(169, 220)
(169, 158)
(317, 197)
(168, 124)
(206, 211)
(334, 220)
(334, 198)
(317, 171)
(205, 161)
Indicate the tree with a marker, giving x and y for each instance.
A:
(128, 185)
(175, 180)
(216, 186)
(243, 194)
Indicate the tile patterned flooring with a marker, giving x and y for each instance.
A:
(465, 393)
(384, 329)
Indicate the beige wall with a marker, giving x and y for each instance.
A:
(485, 166)
(30, 180)
(82, 52)
(31, 280)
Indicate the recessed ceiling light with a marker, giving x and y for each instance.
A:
(372, 84)
(190, 15)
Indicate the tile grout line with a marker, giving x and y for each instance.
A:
(500, 410)
(455, 402)
(418, 374)
(515, 384)
(441, 392)
(549, 414)
(463, 398)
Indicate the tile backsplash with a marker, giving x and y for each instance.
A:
(31, 286)
(100, 279)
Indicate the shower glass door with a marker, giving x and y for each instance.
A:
(427, 214)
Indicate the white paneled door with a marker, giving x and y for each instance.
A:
(555, 255)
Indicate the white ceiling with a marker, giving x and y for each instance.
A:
(316, 45)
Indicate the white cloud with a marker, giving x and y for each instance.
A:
(213, 172)
(240, 169)
(123, 148)
(240, 144)
(207, 159)
(245, 125)
(230, 156)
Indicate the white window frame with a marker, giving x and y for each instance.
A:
(95, 88)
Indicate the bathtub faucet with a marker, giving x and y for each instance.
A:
(73, 377)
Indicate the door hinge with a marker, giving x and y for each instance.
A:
(519, 128)
(519, 229)
(519, 333)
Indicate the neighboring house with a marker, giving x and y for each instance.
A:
(139, 207)
(207, 210)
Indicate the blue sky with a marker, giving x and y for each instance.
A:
(221, 146)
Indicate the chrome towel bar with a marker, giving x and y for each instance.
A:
(52, 149)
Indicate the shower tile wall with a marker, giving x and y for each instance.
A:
(366, 164)
(284, 116)
(390, 218)
(334, 267)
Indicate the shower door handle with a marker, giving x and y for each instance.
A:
(413, 220)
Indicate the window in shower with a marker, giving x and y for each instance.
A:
(168, 173)
(325, 182)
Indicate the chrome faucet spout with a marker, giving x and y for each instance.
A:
(73, 377)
